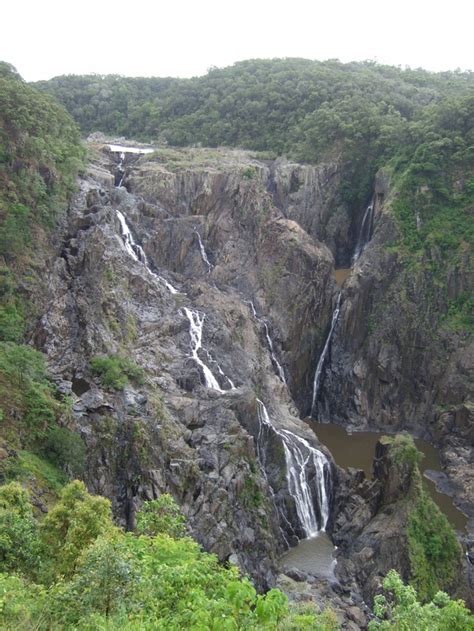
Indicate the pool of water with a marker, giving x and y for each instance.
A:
(341, 274)
(314, 556)
(358, 450)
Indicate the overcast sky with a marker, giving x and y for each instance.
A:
(45, 38)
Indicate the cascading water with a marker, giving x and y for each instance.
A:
(299, 456)
(121, 169)
(196, 322)
(219, 369)
(122, 150)
(279, 368)
(131, 247)
(136, 251)
(364, 232)
(322, 357)
(204, 256)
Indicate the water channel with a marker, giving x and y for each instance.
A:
(358, 450)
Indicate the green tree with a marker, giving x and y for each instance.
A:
(72, 525)
(161, 516)
(400, 610)
(20, 545)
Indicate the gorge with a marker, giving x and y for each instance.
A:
(259, 339)
(207, 434)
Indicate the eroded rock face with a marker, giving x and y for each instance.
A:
(171, 433)
(251, 246)
(393, 365)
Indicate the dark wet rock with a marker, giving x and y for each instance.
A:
(295, 574)
(272, 237)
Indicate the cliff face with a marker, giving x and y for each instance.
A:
(253, 280)
(395, 363)
(233, 274)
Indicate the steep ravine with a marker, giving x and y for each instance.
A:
(214, 235)
(393, 364)
(232, 278)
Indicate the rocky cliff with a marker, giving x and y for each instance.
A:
(216, 248)
(214, 267)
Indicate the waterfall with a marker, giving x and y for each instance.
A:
(121, 168)
(136, 251)
(196, 321)
(322, 358)
(299, 456)
(132, 248)
(122, 150)
(276, 363)
(364, 232)
(219, 369)
(203, 252)
(279, 367)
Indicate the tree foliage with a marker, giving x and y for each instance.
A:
(161, 516)
(399, 610)
(95, 576)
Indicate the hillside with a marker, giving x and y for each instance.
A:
(171, 324)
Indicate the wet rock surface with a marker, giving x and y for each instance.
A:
(271, 233)
(172, 433)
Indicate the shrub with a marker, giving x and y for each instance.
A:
(161, 516)
(65, 449)
(115, 371)
(399, 610)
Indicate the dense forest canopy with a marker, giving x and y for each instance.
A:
(256, 104)
(415, 124)
(73, 568)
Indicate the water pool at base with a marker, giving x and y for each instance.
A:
(314, 556)
(358, 450)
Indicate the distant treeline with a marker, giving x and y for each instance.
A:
(416, 124)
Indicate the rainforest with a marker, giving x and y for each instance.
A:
(236, 355)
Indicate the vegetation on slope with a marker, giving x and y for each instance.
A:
(416, 124)
(75, 569)
(40, 154)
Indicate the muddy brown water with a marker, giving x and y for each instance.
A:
(358, 450)
(341, 274)
(314, 556)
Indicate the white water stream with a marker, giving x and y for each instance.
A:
(196, 319)
(122, 149)
(276, 363)
(364, 232)
(322, 357)
(204, 256)
(196, 322)
(299, 456)
(136, 251)
(121, 169)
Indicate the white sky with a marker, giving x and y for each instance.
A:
(45, 38)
